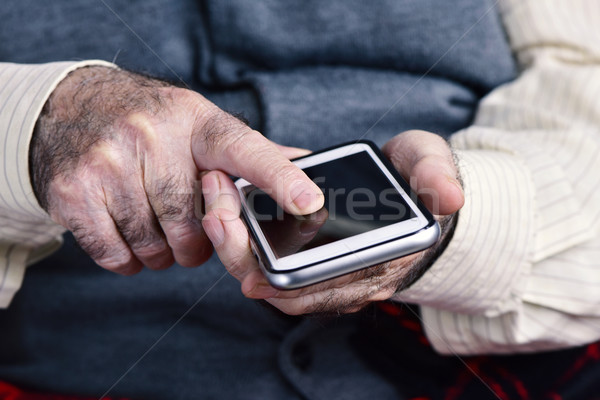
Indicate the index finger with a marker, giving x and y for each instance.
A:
(224, 142)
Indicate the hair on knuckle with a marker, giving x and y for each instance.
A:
(221, 129)
(136, 224)
(90, 242)
(137, 233)
(173, 199)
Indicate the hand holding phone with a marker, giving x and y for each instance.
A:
(372, 216)
(421, 155)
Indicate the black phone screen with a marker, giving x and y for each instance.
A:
(358, 198)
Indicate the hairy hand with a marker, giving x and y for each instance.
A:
(424, 159)
(116, 158)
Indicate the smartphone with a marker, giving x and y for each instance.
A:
(370, 216)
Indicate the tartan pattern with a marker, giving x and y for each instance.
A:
(569, 374)
(11, 392)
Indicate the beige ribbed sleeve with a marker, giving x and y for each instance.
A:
(26, 232)
(522, 272)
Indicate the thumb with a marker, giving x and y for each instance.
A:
(425, 159)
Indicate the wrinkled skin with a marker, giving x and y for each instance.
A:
(139, 171)
(116, 158)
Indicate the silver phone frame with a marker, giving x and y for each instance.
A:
(328, 261)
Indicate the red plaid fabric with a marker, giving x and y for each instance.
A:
(570, 374)
(11, 392)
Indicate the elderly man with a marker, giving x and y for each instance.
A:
(125, 162)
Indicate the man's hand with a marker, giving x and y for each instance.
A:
(116, 158)
(424, 159)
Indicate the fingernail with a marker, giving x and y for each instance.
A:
(215, 231)
(263, 291)
(210, 188)
(305, 197)
(455, 182)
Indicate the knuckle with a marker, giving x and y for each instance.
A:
(430, 159)
(220, 130)
(106, 250)
(394, 151)
(393, 144)
(138, 228)
(151, 250)
(382, 295)
(225, 215)
(292, 307)
(190, 262)
(290, 172)
(169, 212)
(313, 303)
(139, 236)
(140, 126)
(95, 245)
(293, 311)
(287, 176)
(414, 132)
(237, 145)
(120, 262)
(172, 198)
(355, 309)
(95, 249)
(160, 263)
(236, 265)
(184, 235)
